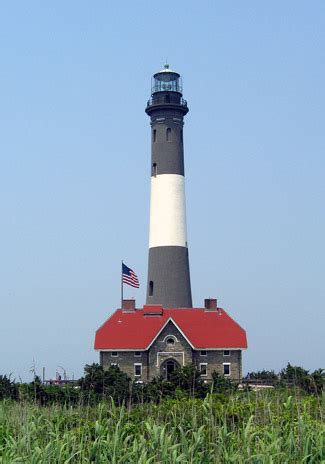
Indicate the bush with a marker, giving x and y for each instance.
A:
(299, 377)
(221, 384)
(188, 379)
(48, 394)
(106, 382)
(8, 388)
(99, 384)
(262, 375)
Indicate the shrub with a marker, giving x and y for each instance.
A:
(8, 388)
(299, 377)
(106, 382)
(221, 384)
(262, 375)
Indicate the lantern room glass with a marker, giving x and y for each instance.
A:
(166, 81)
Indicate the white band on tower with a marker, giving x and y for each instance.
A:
(167, 211)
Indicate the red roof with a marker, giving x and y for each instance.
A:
(136, 330)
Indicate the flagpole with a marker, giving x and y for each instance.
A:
(122, 285)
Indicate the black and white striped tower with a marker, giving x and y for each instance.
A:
(168, 269)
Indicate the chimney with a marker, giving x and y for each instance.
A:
(210, 304)
(128, 305)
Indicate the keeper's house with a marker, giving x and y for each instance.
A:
(154, 341)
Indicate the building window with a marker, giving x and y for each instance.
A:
(182, 135)
(203, 353)
(154, 170)
(137, 354)
(226, 369)
(151, 288)
(115, 364)
(114, 354)
(154, 135)
(170, 341)
(204, 369)
(168, 134)
(138, 369)
(226, 353)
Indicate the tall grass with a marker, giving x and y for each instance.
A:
(265, 427)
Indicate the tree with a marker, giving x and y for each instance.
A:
(262, 375)
(106, 382)
(317, 380)
(8, 388)
(221, 384)
(189, 380)
(299, 377)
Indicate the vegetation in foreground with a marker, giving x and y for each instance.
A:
(246, 427)
(107, 418)
(99, 384)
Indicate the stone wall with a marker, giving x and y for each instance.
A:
(215, 360)
(160, 351)
(126, 361)
(180, 351)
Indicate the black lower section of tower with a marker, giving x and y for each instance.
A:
(169, 277)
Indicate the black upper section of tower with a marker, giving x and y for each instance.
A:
(167, 109)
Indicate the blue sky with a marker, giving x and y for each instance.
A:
(75, 167)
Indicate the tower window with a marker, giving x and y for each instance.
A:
(151, 288)
(182, 135)
(167, 98)
(170, 341)
(168, 134)
(154, 170)
(154, 135)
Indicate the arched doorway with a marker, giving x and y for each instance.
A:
(168, 367)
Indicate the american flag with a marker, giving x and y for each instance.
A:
(129, 277)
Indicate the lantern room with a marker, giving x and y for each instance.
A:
(166, 80)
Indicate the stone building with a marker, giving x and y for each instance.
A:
(154, 341)
(168, 332)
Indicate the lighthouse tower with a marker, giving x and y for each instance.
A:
(168, 268)
(149, 342)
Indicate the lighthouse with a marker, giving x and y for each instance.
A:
(167, 333)
(168, 264)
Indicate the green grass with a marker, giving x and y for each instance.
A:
(265, 427)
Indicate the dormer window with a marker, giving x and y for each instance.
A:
(170, 340)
